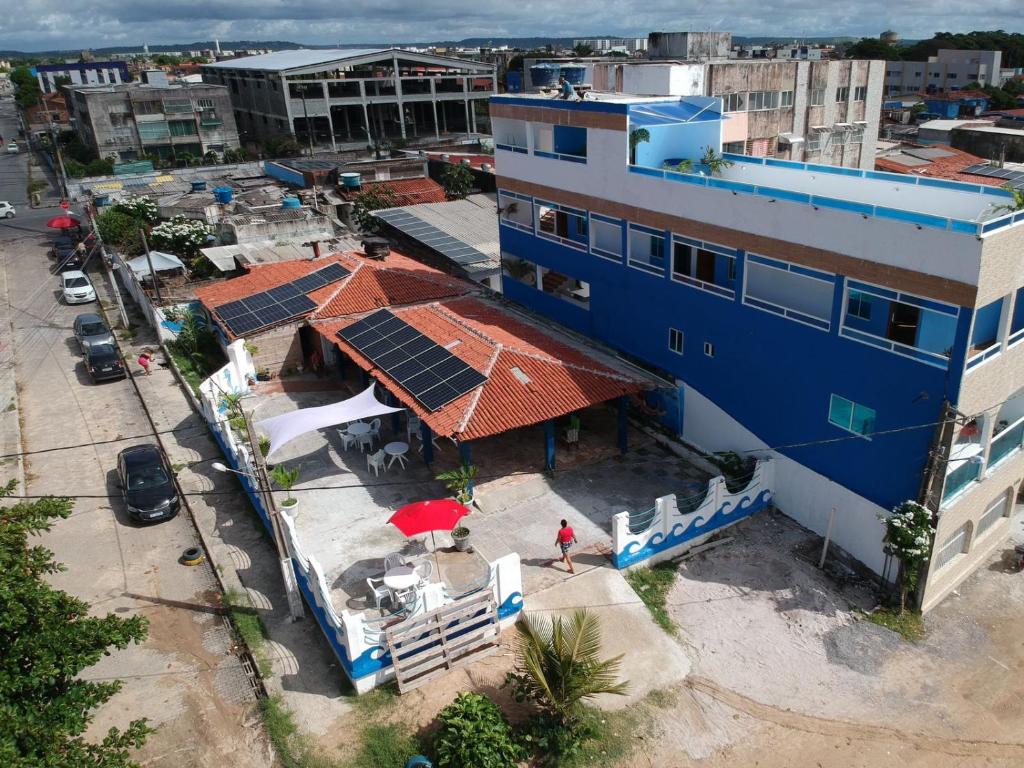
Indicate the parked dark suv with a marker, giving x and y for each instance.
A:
(147, 484)
(104, 362)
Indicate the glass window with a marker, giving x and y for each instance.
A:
(851, 416)
(817, 97)
(985, 333)
(558, 222)
(786, 99)
(148, 107)
(182, 127)
(706, 266)
(154, 130)
(860, 93)
(734, 102)
(675, 340)
(858, 305)
(788, 290)
(515, 212)
(842, 93)
(605, 238)
(646, 249)
(761, 100)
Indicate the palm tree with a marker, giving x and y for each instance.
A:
(1017, 202)
(558, 665)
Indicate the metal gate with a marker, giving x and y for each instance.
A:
(425, 647)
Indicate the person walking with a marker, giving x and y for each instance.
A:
(145, 359)
(564, 540)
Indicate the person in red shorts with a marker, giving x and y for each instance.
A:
(565, 539)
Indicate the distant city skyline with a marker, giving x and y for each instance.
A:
(72, 24)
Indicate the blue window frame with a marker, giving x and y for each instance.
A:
(858, 305)
(851, 416)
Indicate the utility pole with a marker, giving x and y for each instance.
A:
(152, 272)
(106, 265)
(291, 588)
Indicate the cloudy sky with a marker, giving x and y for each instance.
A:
(52, 24)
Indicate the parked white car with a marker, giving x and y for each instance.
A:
(12, 148)
(6, 210)
(76, 288)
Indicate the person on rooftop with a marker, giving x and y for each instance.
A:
(565, 90)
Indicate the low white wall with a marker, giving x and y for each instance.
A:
(799, 492)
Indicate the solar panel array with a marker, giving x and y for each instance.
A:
(278, 304)
(431, 236)
(425, 369)
(1009, 176)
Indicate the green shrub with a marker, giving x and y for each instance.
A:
(474, 734)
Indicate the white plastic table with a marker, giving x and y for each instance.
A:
(401, 577)
(396, 451)
(358, 428)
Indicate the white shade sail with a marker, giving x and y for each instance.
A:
(162, 262)
(284, 428)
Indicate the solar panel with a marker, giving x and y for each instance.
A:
(428, 371)
(308, 283)
(285, 291)
(258, 301)
(333, 272)
(299, 304)
(411, 225)
(231, 309)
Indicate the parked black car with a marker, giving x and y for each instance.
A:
(104, 362)
(67, 258)
(147, 484)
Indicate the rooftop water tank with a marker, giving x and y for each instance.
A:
(198, 186)
(291, 202)
(223, 194)
(349, 180)
(574, 73)
(543, 75)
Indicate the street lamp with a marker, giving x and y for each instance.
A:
(291, 589)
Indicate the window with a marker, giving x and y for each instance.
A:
(606, 237)
(800, 294)
(851, 416)
(817, 97)
(515, 211)
(734, 102)
(177, 106)
(706, 266)
(842, 94)
(709, 349)
(786, 99)
(902, 323)
(675, 340)
(646, 249)
(761, 100)
(985, 333)
(562, 142)
(565, 287)
(558, 222)
(735, 147)
(957, 543)
(814, 141)
(996, 511)
(182, 127)
(154, 131)
(860, 93)
(856, 134)
(204, 103)
(952, 75)
(148, 108)
(511, 134)
(1017, 318)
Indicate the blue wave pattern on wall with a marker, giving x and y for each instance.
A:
(635, 552)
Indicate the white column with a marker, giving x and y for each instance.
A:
(398, 94)
(433, 106)
(330, 122)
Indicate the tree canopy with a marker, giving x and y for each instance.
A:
(1010, 43)
(27, 93)
(47, 637)
(457, 181)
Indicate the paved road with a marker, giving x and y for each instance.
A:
(185, 677)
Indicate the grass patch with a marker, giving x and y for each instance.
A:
(196, 368)
(377, 701)
(385, 746)
(653, 585)
(249, 627)
(662, 698)
(909, 625)
(293, 749)
(613, 736)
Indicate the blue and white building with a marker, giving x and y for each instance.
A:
(860, 328)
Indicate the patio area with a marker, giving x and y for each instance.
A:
(344, 506)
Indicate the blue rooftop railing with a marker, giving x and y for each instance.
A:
(965, 226)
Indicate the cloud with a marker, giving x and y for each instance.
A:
(49, 24)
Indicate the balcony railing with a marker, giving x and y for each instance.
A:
(1006, 442)
(961, 477)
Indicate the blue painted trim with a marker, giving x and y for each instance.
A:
(634, 552)
(549, 444)
(784, 194)
(512, 605)
(512, 148)
(577, 106)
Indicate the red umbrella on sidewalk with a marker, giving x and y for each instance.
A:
(434, 515)
(62, 222)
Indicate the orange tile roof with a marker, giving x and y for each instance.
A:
(394, 281)
(950, 168)
(532, 376)
(405, 191)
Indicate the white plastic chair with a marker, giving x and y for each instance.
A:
(412, 426)
(424, 570)
(378, 590)
(375, 428)
(365, 441)
(347, 440)
(375, 461)
(393, 560)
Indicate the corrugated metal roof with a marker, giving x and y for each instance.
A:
(281, 60)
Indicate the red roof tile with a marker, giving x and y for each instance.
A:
(941, 167)
(405, 191)
(532, 376)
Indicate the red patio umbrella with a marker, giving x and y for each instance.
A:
(62, 222)
(423, 516)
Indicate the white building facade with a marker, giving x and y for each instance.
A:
(948, 70)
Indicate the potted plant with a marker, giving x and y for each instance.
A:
(637, 136)
(460, 536)
(713, 163)
(285, 479)
(460, 482)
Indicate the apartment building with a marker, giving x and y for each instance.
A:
(862, 328)
(949, 70)
(606, 45)
(51, 76)
(364, 96)
(133, 120)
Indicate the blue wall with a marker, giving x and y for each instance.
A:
(770, 373)
(678, 140)
(281, 173)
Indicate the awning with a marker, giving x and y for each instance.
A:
(643, 115)
(162, 262)
(790, 138)
(820, 128)
(284, 428)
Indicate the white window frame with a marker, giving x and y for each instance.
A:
(842, 94)
(786, 99)
(709, 349)
(860, 93)
(784, 312)
(734, 102)
(853, 409)
(569, 211)
(674, 334)
(605, 221)
(817, 97)
(762, 101)
(646, 266)
(521, 200)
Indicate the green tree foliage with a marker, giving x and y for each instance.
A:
(582, 50)
(475, 734)
(1010, 43)
(182, 237)
(140, 207)
(47, 637)
(281, 146)
(908, 535)
(235, 155)
(457, 181)
(873, 48)
(27, 93)
(98, 167)
(121, 230)
(166, 60)
(374, 198)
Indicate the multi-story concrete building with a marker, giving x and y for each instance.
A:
(630, 45)
(332, 97)
(863, 329)
(949, 70)
(51, 76)
(133, 120)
